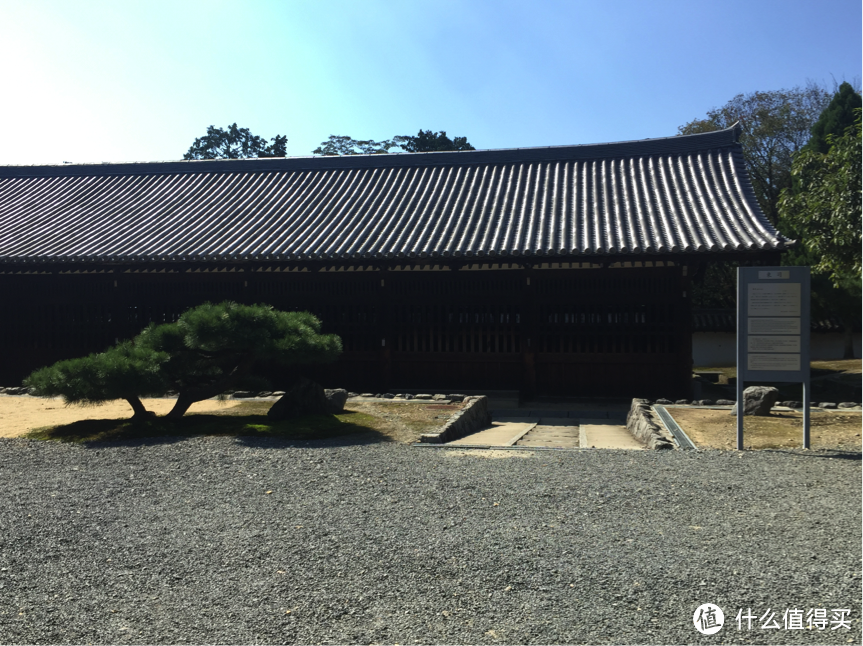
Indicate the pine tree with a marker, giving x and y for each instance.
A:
(210, 349)
(837, 117)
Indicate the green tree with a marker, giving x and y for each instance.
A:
(775, 126)
(427, 141)
(126, 371)
(343, 145)
(235, 143)
(424, 141)
(837, 117)
(208, 350)
(823, 211)
(825, 207)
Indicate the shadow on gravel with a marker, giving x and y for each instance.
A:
(249, 430)
(835, 454)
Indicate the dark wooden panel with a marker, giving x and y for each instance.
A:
(564, 332)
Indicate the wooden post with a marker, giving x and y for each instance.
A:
(528, 332)
(684, 332)
(385, 375)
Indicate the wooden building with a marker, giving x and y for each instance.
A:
(561, 270)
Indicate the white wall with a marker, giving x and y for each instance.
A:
(720, 348)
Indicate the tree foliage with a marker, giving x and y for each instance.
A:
(424, 141)
(235, 143)
(824, 209)
(775, 126)
(126, 371)
(837, 117)
(344, 145)
(427, 141)
(208, 350)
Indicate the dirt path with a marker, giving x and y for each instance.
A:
(717, 429)
(21, 414)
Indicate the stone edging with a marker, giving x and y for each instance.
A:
(474, 416)
(642, 423)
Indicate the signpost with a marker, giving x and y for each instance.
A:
(773, 332)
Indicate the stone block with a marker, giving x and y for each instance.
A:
(336, 397)
(642, 423)
(757, 401)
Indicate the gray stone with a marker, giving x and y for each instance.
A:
(352, 394)
(265, 393)
(664, 402)
(241, 394)
(423, 396)
(456, 398)
(644, 426)
(304, 398)
(367, 395)
(388, 396)
(278, 393)
(848, 405)
(439, 398)
(474, 416)
(682, 402)
(408, 396)
(757, 401)
(336, 398)
(725, 402)
(793, 404)
(828, 405)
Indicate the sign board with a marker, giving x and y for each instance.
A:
(773, 332)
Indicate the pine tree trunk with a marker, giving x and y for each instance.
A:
(138, 408)
(180, 408)
(188, 397)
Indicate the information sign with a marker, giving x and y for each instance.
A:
(773, 332)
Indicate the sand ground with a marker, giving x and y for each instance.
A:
(21, 414)
(717, 429)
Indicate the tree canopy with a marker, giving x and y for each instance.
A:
(824, 208)
(775, 126)
(424, 141)
(235, 143)
(837, 117)
(427, 141)
(208, 350)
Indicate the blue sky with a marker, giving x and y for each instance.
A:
(126, 81)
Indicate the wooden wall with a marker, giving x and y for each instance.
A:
(568, 332)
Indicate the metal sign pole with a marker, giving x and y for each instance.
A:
(806, 391)
(741, 357)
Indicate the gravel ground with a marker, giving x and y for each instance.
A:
(223, 540)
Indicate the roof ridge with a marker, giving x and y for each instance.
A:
(676, 144)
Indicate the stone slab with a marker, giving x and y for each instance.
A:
(500, 434)
(602, 435)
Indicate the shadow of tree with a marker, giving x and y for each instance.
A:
(352, 428)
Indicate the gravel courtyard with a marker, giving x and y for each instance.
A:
(226, 540)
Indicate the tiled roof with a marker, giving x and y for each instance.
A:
(688, 194)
